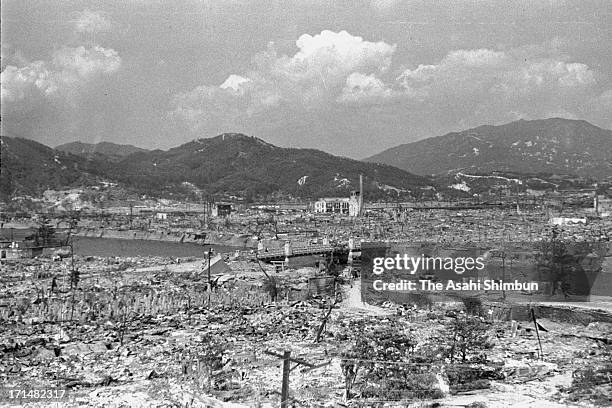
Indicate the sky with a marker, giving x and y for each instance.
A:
(350, 77)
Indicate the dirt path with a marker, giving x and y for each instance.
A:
(353, 301)
(181, 267)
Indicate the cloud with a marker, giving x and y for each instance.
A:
(68, 69)
(84, 63)
(484, 84)
(362, 88)
(11, 56)
(468, 71)
(311, 79)
(331, 56)
(339, 72)
(606, 101)
(89, 21)
(235, 83)
(601, 107)
(17, 83)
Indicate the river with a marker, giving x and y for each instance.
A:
(105, 247)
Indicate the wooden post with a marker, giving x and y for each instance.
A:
(287, 360)
(285, 386)
(209, 282)
(535, 323)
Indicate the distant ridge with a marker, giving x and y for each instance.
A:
(105, 148)
(548, 145)
(228, 164)
(28, 168)
(238, 163)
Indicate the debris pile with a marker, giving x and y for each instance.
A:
(157, 332)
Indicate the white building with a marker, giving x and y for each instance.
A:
(332, 205)
(339, 205)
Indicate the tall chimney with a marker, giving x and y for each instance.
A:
(360, 212)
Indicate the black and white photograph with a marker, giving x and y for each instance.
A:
(306, 203)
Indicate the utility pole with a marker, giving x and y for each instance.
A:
(74, 278)
(285, 385)
(209, 280)
(287, 360)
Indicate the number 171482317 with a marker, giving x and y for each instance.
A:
(32, 394)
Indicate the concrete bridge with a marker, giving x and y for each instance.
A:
(294, 249)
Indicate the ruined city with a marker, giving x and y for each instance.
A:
(188, 304)
(311, 204)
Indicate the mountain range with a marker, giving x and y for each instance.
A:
(243, 164)
(549, 145)
(225, 164)
(29, 167)
(108, 149)
(235, 164)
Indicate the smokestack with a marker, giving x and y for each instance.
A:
(360, 195)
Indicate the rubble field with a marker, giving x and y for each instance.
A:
(148, 332)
